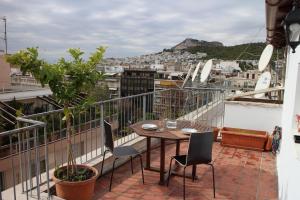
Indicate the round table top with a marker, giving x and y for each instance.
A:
(167, 133)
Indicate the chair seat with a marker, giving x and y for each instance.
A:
(125, 151)
(181, 159)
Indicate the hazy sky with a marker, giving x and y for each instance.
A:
(128, 27)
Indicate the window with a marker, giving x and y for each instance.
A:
(253, 76)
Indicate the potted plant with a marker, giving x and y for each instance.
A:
(66, 79)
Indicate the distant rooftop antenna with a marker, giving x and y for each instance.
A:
(187, 76)
(262, 84)
(265, 57)
(206, 70)
(196, 71)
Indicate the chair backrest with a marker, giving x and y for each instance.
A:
(109, 143)
(200, 148)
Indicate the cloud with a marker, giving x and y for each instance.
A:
(128, 28)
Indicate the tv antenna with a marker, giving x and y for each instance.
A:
(187, 76)
(196, 71)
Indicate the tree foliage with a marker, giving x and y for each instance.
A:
(66, 79)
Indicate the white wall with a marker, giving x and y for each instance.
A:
(252, 115)
(288, 166)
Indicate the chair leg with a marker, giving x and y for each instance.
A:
(102, 162)
(112, 174)
(142, 168)
(194, 172)
(184, 182)
(213, 173)
(131, 164)
(169, 173)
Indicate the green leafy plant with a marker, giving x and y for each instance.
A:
(66, 79)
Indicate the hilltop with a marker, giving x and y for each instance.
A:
(193, 43)
(215, 49)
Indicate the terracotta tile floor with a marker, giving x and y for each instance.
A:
(240, 174)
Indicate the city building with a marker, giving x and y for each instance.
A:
(227, 67)
(137, 81)
(4, 73)
(112, 78)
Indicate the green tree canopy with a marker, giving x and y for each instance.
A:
(66, 78)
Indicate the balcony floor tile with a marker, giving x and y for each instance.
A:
(240, 174)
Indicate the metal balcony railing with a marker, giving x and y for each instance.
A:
(25, 146)
(38, 145)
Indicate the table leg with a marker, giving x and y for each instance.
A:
(177, 147)
(148, 153)
(177, 152)
(162, 162)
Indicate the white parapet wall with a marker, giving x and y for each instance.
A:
(252, 115)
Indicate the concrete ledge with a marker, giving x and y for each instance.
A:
(259, 104)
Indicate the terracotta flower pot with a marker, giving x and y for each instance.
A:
(244, 138)
(80, 190)
(269, 143)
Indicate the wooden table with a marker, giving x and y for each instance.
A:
(164, 134)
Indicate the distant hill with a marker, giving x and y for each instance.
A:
(248, 51)
(193, 43)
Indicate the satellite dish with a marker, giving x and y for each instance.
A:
(196, 71)
(206, 70)
(262, 84)
(265, 57)
(187, 77)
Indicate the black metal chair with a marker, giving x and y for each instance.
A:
(199, 152)
(118, 152)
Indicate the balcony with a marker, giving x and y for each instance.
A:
(240, 174)
(30, 153)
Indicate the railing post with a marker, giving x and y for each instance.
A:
(102, 128)
(47, 161)
(28, 167)
(20, 158)
(207, 98)
(144, 107)
(12, 166)
(37, 163)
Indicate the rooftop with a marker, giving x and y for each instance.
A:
(24, 93)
